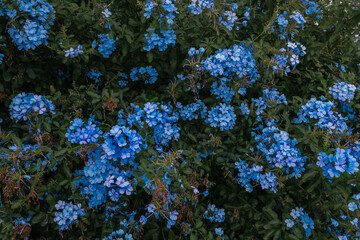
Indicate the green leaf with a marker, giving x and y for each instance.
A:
(61, 152)
(38, 218)
(47, 126)
(16, 140)
(270, 212)
(187, 171)
(31, 73)
(308, 175)
(67, 171)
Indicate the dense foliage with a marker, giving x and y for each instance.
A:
(165, 119)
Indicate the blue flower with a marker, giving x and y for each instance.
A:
(147, 74)
(106, 13)
(352, 206)
(299, 214)
(74, 52)
(219, 231)
(215, 214)
(355, 222)
(334, 222)
(106, 45)
(245, 110)
(173, 215)
(151, 208)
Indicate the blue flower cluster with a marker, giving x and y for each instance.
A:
(295, 18)
(245, 110)
(32, 160)
(192, 52)
(221, 116)
(282, 62)
(236, 62)
(122, 143)
(325, 117)
(188, 112)
(342, 67)
(215, 214)
(348, 111)
(197, 6)
(157, 116)
(93, 177)
(246, 175)
(105, 17)
(1, 57)
(230, 17)
(343, 91)
(347, 220)
(68, 215)
(280, 150)
(147, 74)
(93, 75)
(152, 211)
(222, 91)
(119, 234)
(33, 31)
(298, 216)
(311, 7)
(123, 82)
(22, 220)
(169, 36)
(163, 122)
(1, 45)
(340, 161)
(165, 189)
(246, 16)
(21, 223)
(296, 49)
(288, 57)
(128, 223)
(352, 206)
(283, 23)
(118, 186)
(270, 99)
(298, 18)
(110, 211)
(219, 231)
(24, 104)
(154, 39)
(105, 46)
(82, 133)
(74, 52)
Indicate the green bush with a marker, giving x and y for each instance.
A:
(200, 119)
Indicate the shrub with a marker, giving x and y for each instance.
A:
(240, 120)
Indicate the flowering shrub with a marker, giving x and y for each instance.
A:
(164, 119)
